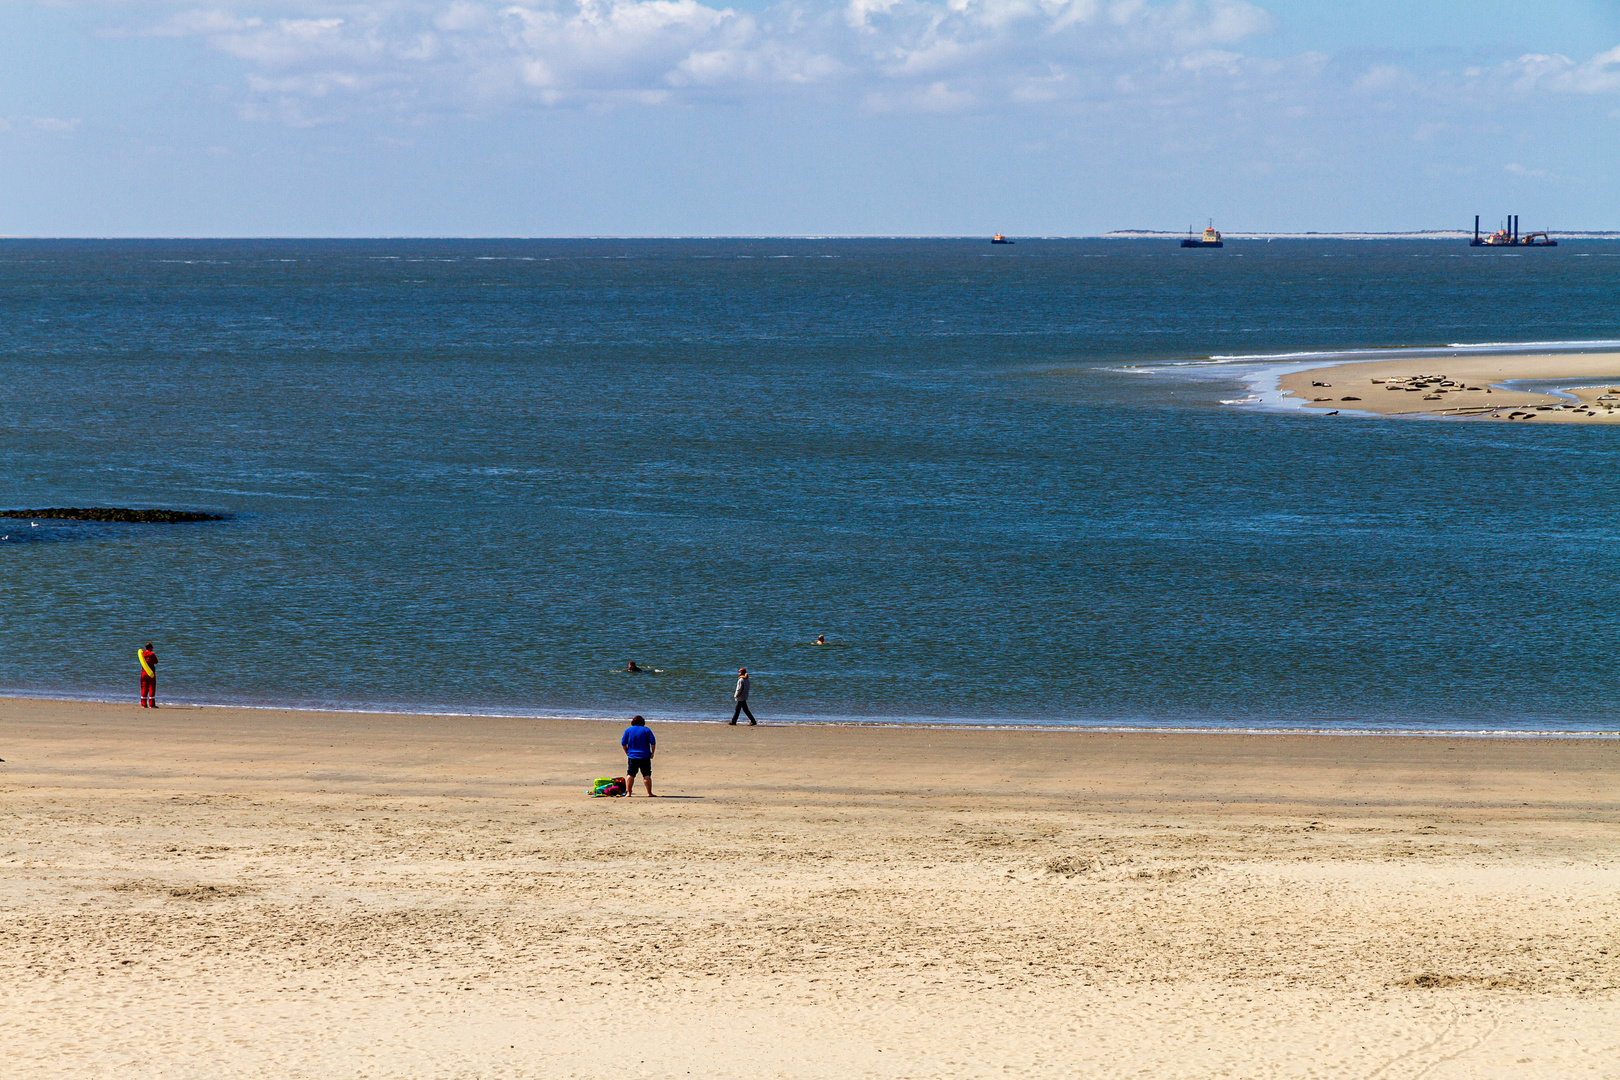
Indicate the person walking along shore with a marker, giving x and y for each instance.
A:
(148, 658)
(740, 696)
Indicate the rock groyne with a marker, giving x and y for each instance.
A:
(112, 513)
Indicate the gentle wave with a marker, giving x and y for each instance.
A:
(1506, 347)
(1503, 347)
(836, 720)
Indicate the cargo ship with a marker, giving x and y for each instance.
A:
(1210, 239)
(999, 239)
(1508, 236)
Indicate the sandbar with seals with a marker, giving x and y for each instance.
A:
(1469, 386)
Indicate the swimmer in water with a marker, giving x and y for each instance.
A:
(633, 667)
(821, 639)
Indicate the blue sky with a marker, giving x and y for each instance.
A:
(692, 117)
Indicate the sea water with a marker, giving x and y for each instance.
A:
(482, 476)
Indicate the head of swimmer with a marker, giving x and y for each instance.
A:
(632, 666)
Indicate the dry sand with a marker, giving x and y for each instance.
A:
(1388, 387)
(229, 893)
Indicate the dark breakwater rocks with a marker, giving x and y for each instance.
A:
(112, 513)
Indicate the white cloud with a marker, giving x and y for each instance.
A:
(310, 60)
(54, 125)
(50, 125)
(935, 97)
(1381, 78)
(1599, 75)
(858, 12)
(1532, 174)
(190, 23)
(1218, 60)
(314, 61)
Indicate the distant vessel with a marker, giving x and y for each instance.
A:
(1508, 236)
(999, 239)
(1210, 239)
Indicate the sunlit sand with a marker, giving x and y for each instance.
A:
(236, 893)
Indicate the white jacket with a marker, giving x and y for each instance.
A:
(741, 693)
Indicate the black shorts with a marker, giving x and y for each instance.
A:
(639, 764)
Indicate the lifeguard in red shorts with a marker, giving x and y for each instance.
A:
(148, 676)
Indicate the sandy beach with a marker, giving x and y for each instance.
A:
(1467, 387)
(233, 893)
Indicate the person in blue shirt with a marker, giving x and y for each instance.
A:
(639, 747)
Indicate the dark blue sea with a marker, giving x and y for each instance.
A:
(481, 476)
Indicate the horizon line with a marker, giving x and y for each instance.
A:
(1112, 234)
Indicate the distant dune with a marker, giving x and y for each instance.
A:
(1415, 234)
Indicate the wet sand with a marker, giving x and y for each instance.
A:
(235, 893)
(1467, 387)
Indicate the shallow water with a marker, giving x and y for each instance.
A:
(483, 475)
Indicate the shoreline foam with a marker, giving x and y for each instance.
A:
(808, 720)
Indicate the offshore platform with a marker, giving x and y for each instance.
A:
(1508, 236)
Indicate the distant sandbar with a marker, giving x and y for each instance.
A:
(1472, 387)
